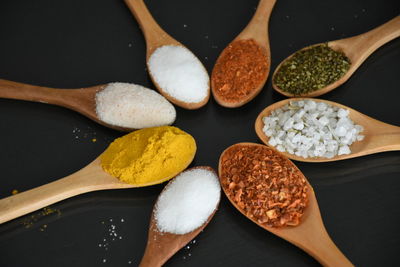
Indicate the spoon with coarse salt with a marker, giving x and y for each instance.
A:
(120, 106)
(99, 175)
(243, 66)
(309, 234)
(175, 71)
(357, 49)
(183, 209)
(378, 136)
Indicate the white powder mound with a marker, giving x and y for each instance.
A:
(179, 73)
(187, 202)
(311, 129)
(133, 106)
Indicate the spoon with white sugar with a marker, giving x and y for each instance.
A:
(378, 136)
(177, 74)
(357, 49)
(183, 209)
(121, 106)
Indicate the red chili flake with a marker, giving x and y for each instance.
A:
(240, 69)
(264, 185)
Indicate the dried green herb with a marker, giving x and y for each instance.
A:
(311, 69)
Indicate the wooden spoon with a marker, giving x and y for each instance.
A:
(90, 178)
(357, 49)
(257, 29)
(156, 37)
(310, 235)
(162, 246)
(378, 136)
(82, 100)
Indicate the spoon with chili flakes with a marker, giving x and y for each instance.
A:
(243, 66)
(271, 191)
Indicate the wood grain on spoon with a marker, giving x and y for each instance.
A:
(378, 136)
(90, 178)
(257, 29)
(310, 235)
(162, 246)
(357, 49)
(81, 100)
(156, 37)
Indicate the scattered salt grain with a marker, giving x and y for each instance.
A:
(179, 73)
(188, 201)
(133, 106)
(311, 129)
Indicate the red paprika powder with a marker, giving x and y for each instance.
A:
(241, 68)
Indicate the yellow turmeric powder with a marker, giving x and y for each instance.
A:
(149, 156)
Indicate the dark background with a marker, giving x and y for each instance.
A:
(78, 43)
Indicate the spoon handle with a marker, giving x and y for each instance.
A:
(90, 178)
(258, 25)
(359, 47)
(21, 91)
(153, 33)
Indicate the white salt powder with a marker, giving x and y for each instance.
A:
(311, 129)
(179, 73)
(187, 202)
(133, 106)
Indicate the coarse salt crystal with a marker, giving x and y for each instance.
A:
(179, 73)
(133, 106)
(188, 201)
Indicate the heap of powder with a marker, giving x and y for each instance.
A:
(311, 129)
(241, 68)
(187, 201)
(179, 73)
(311, 69)
(149, 156)
(133, 106)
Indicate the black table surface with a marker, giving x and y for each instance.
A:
(78, 43)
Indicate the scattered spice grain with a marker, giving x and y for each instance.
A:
(241, 68)
(264, 185)
(311, 69)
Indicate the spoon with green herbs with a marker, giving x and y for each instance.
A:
(320, 68)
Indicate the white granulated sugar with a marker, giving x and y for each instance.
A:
(311, 129)
(179, 73)
(187, 202)
(133, 106)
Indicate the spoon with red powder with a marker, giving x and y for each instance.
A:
(270, 190)
(243, 66)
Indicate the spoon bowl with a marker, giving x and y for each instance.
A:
(257, 30)
(161, 246)
(155, 38)
(378, 136)
(357, 49)
(310, 234)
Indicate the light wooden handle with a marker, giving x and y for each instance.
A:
(91, 178)
(362, 46)
(149, 26)
(257, 28)
(21, 91)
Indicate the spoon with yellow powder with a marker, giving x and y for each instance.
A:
(146, 157)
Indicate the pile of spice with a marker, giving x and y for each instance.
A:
(149, 156)
(265, 186)
(309, 128)
(179, 73)
(188, 201)
(241, 68)
(133, 106)
(311, 69)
